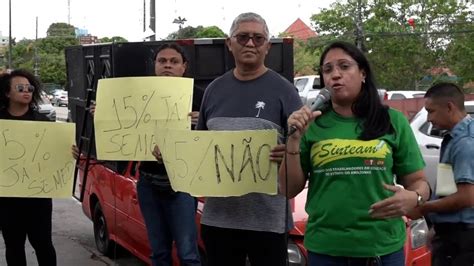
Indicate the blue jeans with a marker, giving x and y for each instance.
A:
(168, 217)
(393, 259)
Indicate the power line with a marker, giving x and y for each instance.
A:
(376, 34)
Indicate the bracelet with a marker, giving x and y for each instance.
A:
(293, 152)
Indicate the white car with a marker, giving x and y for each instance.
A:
(399, 95)
(60, 98)
(429, 140)
(45, 107)
(308, 88)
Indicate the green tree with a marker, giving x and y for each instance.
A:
(61, 30)
(23, 54)
(47, 52)
(113, 39)
(191, 32)
(400, 54)
(305, 58)
(52, 60)
(210, 32)
(184, 33)
(460, 51)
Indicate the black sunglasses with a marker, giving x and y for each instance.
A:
(25, 88)
(243, 39)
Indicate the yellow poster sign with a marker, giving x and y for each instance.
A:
(219, 163)
(129, 109)
(36, 159)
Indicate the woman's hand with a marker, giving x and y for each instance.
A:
(194, 117)
(156, 152)
(401, 203)
(300, 121)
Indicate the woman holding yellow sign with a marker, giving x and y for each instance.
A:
(19, 97)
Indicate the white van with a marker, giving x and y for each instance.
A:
(308, 88)
(400, 95)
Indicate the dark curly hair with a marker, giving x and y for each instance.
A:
(375, 119)
(5, 86)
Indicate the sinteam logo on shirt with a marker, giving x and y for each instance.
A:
(335, 149)
(260, 106)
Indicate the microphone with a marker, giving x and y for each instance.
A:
(323, 97)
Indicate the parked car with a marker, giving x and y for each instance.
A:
(45, 107)
(399, 95)
(60, 98)
(110, 201)
(308, 88)
(429, 140)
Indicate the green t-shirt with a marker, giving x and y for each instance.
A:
(345, 179)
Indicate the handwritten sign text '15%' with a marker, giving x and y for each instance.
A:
(129, 109)
(36, 159)
(219, 163)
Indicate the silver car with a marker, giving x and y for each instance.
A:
(308, 88)
(45, 107)
(60, 98)
(429, 140)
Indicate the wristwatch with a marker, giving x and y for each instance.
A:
(419, 199)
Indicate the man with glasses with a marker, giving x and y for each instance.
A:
(248, 97)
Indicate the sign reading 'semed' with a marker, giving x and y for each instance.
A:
(129, 109)
(36, 159)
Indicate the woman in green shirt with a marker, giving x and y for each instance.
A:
(349, 156)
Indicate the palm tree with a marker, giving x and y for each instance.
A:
(259, 105)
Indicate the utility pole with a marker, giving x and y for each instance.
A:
(36, 66)
(152, 20)
(144, 15)
(69, 12)
(9, 34)
(359, 32)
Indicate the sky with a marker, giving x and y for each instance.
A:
(108, 18)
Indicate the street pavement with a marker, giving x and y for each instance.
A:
(72, 237)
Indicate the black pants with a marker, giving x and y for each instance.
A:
(453, 245)
(22, 217)
(231, 247)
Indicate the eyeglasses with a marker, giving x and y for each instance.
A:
(25, 88)
(243, 39)
(342, 66)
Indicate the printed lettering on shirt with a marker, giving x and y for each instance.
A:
(335, 149)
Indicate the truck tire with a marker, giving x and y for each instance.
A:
(101, 232)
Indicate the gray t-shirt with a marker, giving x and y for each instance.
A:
(232, 104)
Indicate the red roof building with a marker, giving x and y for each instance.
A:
(299, 30)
